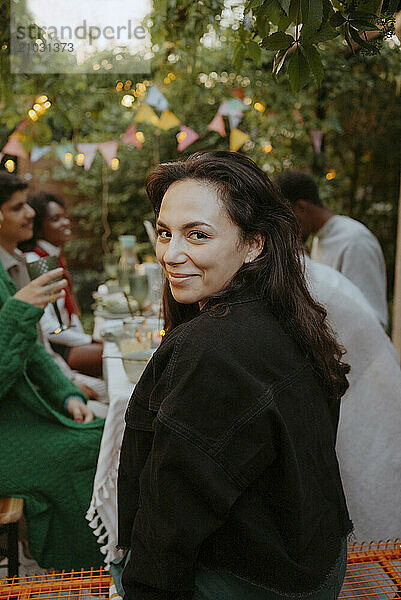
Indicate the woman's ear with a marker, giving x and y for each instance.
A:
(255, 247)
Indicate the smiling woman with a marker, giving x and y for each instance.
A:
(229, 485)
(198, 246)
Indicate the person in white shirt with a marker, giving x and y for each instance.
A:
(339, 241)
(368, 442)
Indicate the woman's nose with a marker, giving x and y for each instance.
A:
(175, 251)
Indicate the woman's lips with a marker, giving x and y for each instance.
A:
(176, 278)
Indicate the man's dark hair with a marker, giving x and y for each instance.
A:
(9, 184)
(295, 185)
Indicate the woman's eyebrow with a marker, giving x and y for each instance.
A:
(187, 225)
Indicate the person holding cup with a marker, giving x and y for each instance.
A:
(49, 439)
(229, 485)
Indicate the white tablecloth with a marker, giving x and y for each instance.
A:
(102, 513)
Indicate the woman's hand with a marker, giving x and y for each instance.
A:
(79, 411)
(40, 292)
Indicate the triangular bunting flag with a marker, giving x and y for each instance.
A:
(108, 150)
(129, 137)
(237, 139)
(238, 92)
(14, 147)
(155, 98)
(89, 151)
(38, 151)
(317, 139)
(168, 120)
(234, 105)
(146, 114)
(217, 124)
(186, 137)
(235, 119)
(65, 153)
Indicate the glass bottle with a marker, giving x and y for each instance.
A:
(128, 262)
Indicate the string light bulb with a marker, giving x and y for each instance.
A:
(115, 163)
(181, 136)
(259, 106)
(68, 158)
(267, 148)
(127, 100)
(331, 175)
(47, 104)
(140, 137)
(41, 99)
(80, 159)
(10, 165)
(32, 115)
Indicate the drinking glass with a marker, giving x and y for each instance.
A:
(44, 264)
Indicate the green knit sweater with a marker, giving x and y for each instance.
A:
(45, 456)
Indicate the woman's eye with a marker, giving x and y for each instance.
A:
(162, 233)
(198, 235)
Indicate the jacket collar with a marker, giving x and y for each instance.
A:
(239, 296)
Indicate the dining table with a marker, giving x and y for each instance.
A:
(102, 513)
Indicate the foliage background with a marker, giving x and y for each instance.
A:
(357, 107)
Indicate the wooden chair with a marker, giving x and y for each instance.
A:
(11, 510)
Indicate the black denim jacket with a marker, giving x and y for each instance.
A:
(228, 461)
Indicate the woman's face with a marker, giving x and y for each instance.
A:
(198, 246)
(56, 227)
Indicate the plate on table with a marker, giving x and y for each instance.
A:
(101, 312)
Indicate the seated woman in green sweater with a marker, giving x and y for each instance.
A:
(49, 440)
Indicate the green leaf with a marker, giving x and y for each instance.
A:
(278, 61)
(357, 38)
(253, 4)
(312, 14)
(285, 5)
(254, 52)
(294, 9)
(271, 10)
(337, 19)
(262, 25)
(393, 6)
(238, 57)
(325, 33)
(328, 10)
(277, 41)
(298, 70)
(315, 62)
(360, 26)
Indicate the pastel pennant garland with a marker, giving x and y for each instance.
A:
(108, 150)
(155, 98)
(186, 137)
(65, 153)
(237, 139)
(14, 147)
(38, 151)
(235, 119)
(146, 114)
(89, 152)
(168, 120)
(130, 138)
(217, 124)
(234, 105)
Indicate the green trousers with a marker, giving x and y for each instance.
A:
(211, 585)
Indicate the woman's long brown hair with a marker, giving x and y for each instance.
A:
(255, 205)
